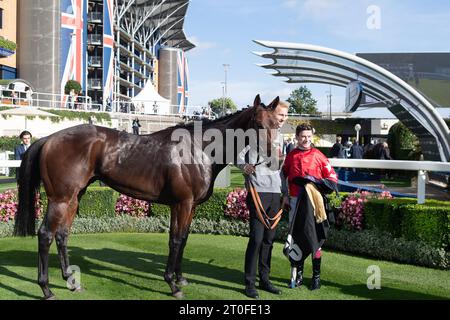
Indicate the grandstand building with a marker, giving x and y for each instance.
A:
(8, 32)
(111, 47)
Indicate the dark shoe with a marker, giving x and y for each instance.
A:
(251, 292)
(269, 287)
(315, 282)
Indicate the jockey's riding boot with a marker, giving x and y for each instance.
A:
(315, 282)
(300, 273)
(293, 282)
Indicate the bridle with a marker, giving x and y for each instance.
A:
(266, 220)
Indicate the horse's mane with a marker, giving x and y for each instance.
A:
(206, 122)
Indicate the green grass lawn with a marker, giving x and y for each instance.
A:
(236, 178)
(131, 266)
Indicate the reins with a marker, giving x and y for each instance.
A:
(266, 220)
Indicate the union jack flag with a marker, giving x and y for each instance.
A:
(182, 82)
(108, 50)
(73, 42)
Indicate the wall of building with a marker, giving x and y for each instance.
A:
(168, 74)
(9, 30)
(39, 45)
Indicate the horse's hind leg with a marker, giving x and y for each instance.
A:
(54, 221)
(179, 226)
(61, 237)
(45, 237)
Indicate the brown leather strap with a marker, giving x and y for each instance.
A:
(263, 217)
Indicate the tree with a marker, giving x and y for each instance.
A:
(403, 144)
(301, 101)
(221, 105)
(72, 84)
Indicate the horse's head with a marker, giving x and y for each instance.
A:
(272, 116)
(267, 120)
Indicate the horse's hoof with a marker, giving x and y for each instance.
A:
(179, 295)
(182, 282)
(77, 289)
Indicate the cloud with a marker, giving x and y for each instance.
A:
(201, 46)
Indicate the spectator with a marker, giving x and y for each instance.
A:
(356, 151)
(291, 145)
(19, 151)
(14, 98)
(29, 96)
(136, 125)
(108, 105)
(337, 150)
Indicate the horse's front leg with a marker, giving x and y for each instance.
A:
(182, 281)
(179, 227)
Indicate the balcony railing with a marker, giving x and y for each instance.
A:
(95, 83)
(95, 61)
(95, 39)
(95, 17)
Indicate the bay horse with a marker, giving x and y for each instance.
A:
(143, 167)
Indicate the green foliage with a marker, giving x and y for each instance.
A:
(2, 108)
(382, 245)
(97, 202)
(302, 102)
(77, 115)
(8, 143)
(326, 126)
(72, 84)
(405, 218)
(402, 142)
(222, 105)
(8, 44)
(425, 223)
(213, 209)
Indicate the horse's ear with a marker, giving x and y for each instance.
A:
(273, 104)
(257, 101)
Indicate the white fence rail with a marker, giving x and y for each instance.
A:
(420, 166)
(44, 100)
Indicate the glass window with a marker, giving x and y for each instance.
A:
(7, 72)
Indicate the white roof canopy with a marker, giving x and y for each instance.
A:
(151, 101)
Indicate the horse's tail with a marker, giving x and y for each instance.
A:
(29, 182)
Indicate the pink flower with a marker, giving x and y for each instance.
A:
(351, 215)
(236, 205)
(129, 206)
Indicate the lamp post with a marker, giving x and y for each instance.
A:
(329, 101)
(357, 128)
(225, 68)
(223, 98)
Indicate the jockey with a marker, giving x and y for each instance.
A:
(309, 176)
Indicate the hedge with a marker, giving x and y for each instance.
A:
(211, 209)
(407, 219)
(97, 202)
(428, 224)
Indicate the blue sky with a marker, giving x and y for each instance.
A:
(223, 31)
